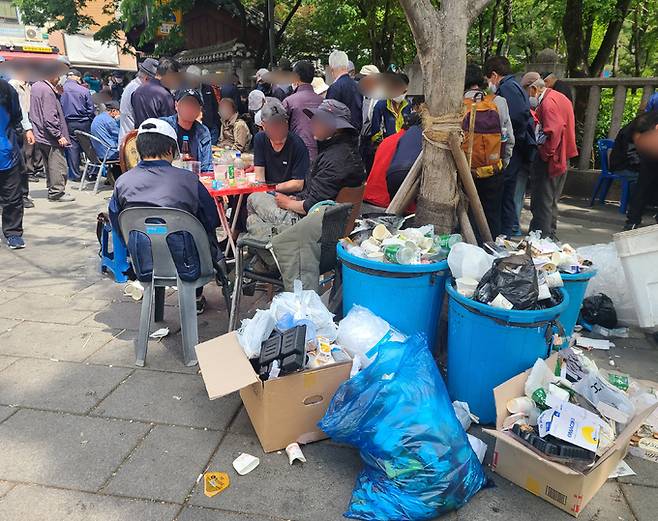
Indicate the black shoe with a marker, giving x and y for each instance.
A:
(27, 203)
(33, 178)
(75, 178)
(200, 305)
(630, 226)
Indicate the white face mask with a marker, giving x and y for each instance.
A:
(534, 102)
(493, 87)
(400, 98)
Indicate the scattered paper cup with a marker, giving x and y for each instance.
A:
(245, 463)
(522, 404)
(466, 286)
(294, 452)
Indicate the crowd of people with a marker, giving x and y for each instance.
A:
(309, 138)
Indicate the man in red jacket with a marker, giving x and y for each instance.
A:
(556, 142)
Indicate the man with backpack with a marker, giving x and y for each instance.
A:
(489, 144)
(498, 71)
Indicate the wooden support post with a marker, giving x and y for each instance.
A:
(647, 92)
(464, 174)
(589, 131)
(408, 189)
(465, 224)
(617, 111)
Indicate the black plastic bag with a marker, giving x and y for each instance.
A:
(514, 277)
(599, 309)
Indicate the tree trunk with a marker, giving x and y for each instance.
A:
(572, 27)
(440, 36)
(610, 38)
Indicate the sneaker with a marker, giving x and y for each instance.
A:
(27, 203)
(65, 198)
(630, 226)
(33, 178)
(200, 305)
(15, 242)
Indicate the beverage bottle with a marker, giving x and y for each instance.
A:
(449, 240)
(186, 155)
(238, 166)
(230, 175)
(398, 254)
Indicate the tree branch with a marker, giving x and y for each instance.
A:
(423, 20)
(610, 38)
(475, 8)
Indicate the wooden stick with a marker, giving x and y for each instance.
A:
(469, 186)
(408, 189)
(465, 224)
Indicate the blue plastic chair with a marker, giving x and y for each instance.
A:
(607, 177)
(116, 260)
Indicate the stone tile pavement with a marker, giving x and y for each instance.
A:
(87, 436)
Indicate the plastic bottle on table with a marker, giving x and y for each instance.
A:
(230, 175)
(238, 166)
(186, 155)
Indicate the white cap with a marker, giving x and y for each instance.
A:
(256, 100)
(319, 85)
(258, 119)
(260, 74)
(367, 70)
(157, 126)
(193, 70)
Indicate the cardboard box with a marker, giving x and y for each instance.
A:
(283, 410)
(567, 489)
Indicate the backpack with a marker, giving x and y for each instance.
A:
(483, 136)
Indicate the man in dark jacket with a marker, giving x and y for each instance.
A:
(344, 88)
(644, 132)
(210, 104)
(79, 112)
(50, 133)
(11, 194)
(153, 99)
(498, 71)
(338, 165)
(155, 182)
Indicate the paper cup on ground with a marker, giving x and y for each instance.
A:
(294, 452)
(466, 286)
(245, 463)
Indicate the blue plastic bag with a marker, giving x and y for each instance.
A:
(418, 461)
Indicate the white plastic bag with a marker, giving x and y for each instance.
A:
(361, 330)
(305, 304)
(467, 260)
(464, 415)
(254, 331)
(610, 279)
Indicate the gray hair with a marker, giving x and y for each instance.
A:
(142, 75)
(539, 84)
(338, 60)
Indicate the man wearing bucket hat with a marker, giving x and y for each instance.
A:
(155, 182)
(338, 165)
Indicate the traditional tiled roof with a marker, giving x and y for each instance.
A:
(220, 52)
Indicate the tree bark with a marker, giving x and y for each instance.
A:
(572, 27)
(440, 36)
(610, 38)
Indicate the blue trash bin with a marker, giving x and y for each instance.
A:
(409, 297)
(575, 285)
(487, 346)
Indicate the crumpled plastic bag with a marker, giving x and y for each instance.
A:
(515, 278)
(418, 461)
(599, 309)
(305, 304)
(361, 332)
(254, 331)
(611, 280)
(467, 260)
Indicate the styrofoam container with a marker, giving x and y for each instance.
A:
(638, 251)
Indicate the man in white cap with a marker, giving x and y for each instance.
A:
(155, 182)
(261, 82)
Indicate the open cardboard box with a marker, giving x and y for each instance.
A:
(567, 489)
(284, 410)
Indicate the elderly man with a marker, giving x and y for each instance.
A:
(51, 134)
(644, 133)
(344, 88)
(145, 72)
(210, 105)
(262, 83)
(303, 98)
(106, 128)
(155, 182)
(235, 133)
(502, 82)
(338, 165)
(154, 98)
(280, 156)
(556, 142)
(186, 124)
(79, 112)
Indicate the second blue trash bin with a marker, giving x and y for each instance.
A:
(409, 297)
(487, 346)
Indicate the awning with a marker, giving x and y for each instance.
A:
(14, 55)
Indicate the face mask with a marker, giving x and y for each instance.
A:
(534, 102)
(400, 98)
(378, 93)
(493, 87)
(225, 115)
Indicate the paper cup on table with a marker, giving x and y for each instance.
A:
(466, 286)
(245, 463)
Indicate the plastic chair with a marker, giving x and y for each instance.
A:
(116, 260)
(335, 223)
(92, 160)
(606, 177)
(157, 224)
(352, 195)
(128, 155)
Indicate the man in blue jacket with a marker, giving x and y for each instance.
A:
(344, 88)
(11, 198)
(498, 71)
(189, 104)
(155, 182)
(79, 112)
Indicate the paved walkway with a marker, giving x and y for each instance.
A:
(85, 435)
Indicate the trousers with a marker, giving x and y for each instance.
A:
(11, 199)
(54, 163)
(644, 190)
(74, 151)
(508, 211)
(546, 192)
